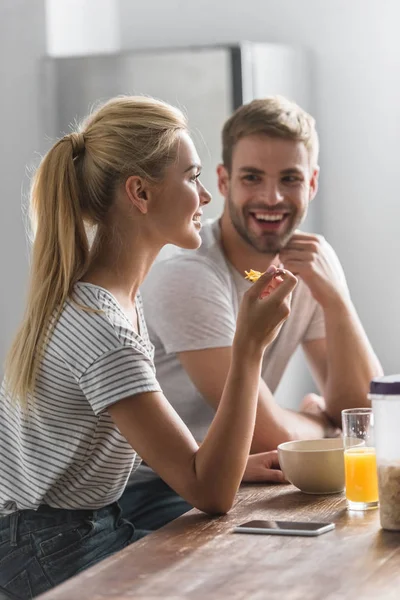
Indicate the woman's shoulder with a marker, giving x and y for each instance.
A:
(89, 325)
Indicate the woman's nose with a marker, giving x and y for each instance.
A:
(205, 196)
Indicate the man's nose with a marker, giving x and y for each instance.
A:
(272, 195)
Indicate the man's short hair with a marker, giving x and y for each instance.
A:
(274, 116)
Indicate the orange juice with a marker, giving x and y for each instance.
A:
(361, 474)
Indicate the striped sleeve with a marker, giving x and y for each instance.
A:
(123, 371)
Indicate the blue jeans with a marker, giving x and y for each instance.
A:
(151, 504)
(41, 549)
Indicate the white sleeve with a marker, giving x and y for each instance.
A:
(316, 328)
(188, 305)
(335, 263)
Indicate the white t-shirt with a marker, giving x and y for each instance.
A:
(66, 451)
(191, 301)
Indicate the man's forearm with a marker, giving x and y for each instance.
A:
(351, 360)
(275, 425)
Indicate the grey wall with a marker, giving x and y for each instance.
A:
(356, 53)
(22, 42)
(77, 27)
(355, 49)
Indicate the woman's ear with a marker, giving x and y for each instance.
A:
(137, 191)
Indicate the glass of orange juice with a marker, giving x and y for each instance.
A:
(359, 458)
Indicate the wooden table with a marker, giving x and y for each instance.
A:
(200, 558)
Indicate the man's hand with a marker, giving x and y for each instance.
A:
(263, 467)
(305, 255)
(313, 404)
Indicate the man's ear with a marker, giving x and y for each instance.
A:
(314, 183)
(136, 189)
(223, 180)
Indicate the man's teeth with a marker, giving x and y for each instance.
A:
(268, 217)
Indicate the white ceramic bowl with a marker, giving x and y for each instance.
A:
(314, 466)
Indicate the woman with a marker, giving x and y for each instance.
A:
(80, 397)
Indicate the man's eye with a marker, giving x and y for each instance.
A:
(251, 178)
(291, 179)
(195, 177)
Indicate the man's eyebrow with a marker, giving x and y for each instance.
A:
(292, 170)
(253, 170)
(256, 171)
(196, 166)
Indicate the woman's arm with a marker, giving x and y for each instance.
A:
(208, 477)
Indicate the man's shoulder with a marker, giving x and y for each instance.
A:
(181, 265)
(333, 257)
(326, 244)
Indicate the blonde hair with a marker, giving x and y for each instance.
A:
(274, 116)
(74, 186)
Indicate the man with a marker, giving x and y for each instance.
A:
(268, 177)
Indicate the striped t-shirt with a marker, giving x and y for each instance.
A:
(64, 450)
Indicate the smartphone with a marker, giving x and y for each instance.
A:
(285, 527)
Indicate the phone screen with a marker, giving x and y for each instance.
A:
(285, 525)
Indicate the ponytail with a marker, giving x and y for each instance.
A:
(75, 185)
(59, 258)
